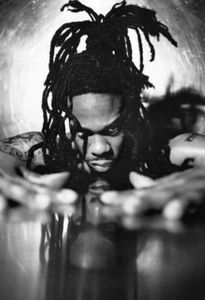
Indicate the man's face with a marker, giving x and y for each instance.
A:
(99, 133)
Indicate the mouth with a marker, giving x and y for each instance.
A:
(101, 165)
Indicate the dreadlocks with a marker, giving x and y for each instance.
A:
(105, 66)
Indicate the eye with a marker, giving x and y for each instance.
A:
(75, 127)
(81, 134)
(114, 130)
(84, 133)
(74, 130)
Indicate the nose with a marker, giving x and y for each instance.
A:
(98, 145)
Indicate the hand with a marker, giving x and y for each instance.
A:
(174, 196)
(52, 181)
(38, 192)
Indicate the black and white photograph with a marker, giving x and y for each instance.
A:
(102, 149)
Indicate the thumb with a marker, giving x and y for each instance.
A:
(140, 181)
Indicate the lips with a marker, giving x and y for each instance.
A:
(101, 165)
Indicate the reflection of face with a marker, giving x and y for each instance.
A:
(99, 134)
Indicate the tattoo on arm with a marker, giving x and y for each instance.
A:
(191, 137)
(18, 146)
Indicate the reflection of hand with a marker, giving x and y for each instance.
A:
(35, 191)
(173, 195)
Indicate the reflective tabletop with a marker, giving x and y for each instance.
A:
(91, 252)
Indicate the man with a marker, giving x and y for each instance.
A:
(99, 85)
(96, 94)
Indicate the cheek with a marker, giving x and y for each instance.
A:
(116, 143)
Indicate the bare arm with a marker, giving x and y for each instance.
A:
(18, 147)
(188, 147)
(175, 195)
(28, 188)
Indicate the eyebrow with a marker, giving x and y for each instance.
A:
(106, 127)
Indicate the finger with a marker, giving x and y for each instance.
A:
(3, 203)
(65, 197)
(175, 209)
(138, 203)
(24, 194)
(134, 205)
(28, 198)
(140, 181)
(111, 212)
(54, 181)
(111, 198)
(155, 222)
(42, 199)
(131, 202)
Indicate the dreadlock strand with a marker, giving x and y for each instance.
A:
(75, 6)
(165, 32)
(31, 152)
(65, 35)
(140, 49)
(152, 50)
(45, 108)
(128, 46)
(56, 40)
(115, 10)
(133, 16)
(70, 47)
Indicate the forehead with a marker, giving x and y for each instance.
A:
(96, 110)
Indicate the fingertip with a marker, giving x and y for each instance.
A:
(133, 176)
(174, 210)
(67, 196)
(132, 205)
(140, 181)
(110, 197)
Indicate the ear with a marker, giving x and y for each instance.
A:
(140, 181)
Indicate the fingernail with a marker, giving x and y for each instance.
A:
(140, 181)
(131, 206)
(109, 198)
(173, 210)
(41, 201)
(67, 196)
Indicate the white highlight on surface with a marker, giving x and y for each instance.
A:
(28, 60)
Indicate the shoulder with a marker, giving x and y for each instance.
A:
(189, 147)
